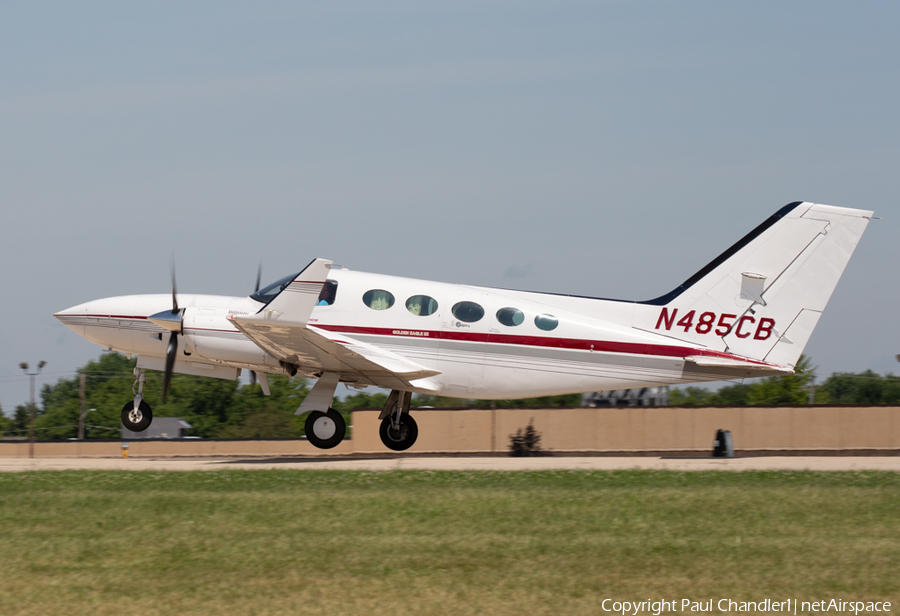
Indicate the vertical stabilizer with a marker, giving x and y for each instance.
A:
(763, 296)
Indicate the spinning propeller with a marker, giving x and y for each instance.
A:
(173, 321)
(258, 280)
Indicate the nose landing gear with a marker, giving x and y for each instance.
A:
(136, 419)
(136, 414)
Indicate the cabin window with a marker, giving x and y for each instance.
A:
(329, 292)
(546, 322)
(510, 317)
(421, 305)
(378, 299)
(468, 312)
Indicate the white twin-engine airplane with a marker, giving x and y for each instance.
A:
(749, 313)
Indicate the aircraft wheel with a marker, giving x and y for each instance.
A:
(136, 419)
(325, 430)
(402, 438)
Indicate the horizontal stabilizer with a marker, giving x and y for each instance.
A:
(705, 361)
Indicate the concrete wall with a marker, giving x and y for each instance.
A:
(647, 428)
(600, 430)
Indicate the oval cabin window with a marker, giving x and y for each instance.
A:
(546, 322)
(378, 299)
(510, 317)
(468, 312)
(421, 305)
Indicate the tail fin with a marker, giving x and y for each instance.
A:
(762, 297)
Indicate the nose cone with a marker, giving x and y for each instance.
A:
(92, 314)
(73, 311)
(104, 315)
(76, 317)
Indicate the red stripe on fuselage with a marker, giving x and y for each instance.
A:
(105, 316)
(599, 346)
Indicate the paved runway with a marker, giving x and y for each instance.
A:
(826, 463)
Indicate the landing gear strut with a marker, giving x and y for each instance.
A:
(325, 430)
(136, 414)
(399, 430)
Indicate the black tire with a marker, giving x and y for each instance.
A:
(136, 420)
(401, 439)
(325, 430)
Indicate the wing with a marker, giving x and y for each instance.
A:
(281, 329)
(316, 350)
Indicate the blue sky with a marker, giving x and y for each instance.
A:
(595, 148)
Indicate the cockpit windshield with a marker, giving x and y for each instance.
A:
(267, 294)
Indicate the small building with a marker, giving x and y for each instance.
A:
(161, 427)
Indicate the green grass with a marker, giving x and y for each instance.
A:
(332, 542)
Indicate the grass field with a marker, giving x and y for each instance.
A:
(333, 542)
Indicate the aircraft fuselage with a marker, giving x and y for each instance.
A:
(485, 358)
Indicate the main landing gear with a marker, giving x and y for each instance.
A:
(399, 433)
(325, 430)
(399, 430)
(136, 414)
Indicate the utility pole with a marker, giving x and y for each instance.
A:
(81, 410)
(24, 367)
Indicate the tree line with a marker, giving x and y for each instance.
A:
(215, 408)
(227, 409)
